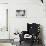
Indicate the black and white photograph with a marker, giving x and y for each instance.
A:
(20, 13)
(22, 22)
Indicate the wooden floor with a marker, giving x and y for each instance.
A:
(6, 40)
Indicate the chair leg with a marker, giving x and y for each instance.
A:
(20, 42)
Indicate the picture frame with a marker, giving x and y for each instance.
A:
(20, 13)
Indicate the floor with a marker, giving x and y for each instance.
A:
(26, 44)
(23, 44)
(5, 44)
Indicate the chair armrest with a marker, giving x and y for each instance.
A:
(22, 35)
(24, 32)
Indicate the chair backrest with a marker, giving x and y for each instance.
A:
(33, 28)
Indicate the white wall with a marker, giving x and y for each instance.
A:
(3, 21)
(4, 34)
(3, 1)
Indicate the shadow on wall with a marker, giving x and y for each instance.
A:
(41, 34)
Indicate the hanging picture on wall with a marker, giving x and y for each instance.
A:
(20, 13)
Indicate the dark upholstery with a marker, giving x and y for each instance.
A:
(32, 29)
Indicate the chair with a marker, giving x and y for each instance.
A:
(33, 30)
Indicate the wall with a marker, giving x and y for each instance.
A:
(35, 12)
(3, 1)
(3, 21)
(4, 34)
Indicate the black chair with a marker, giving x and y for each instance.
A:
(32, 29)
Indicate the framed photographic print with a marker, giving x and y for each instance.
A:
(20, 13)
